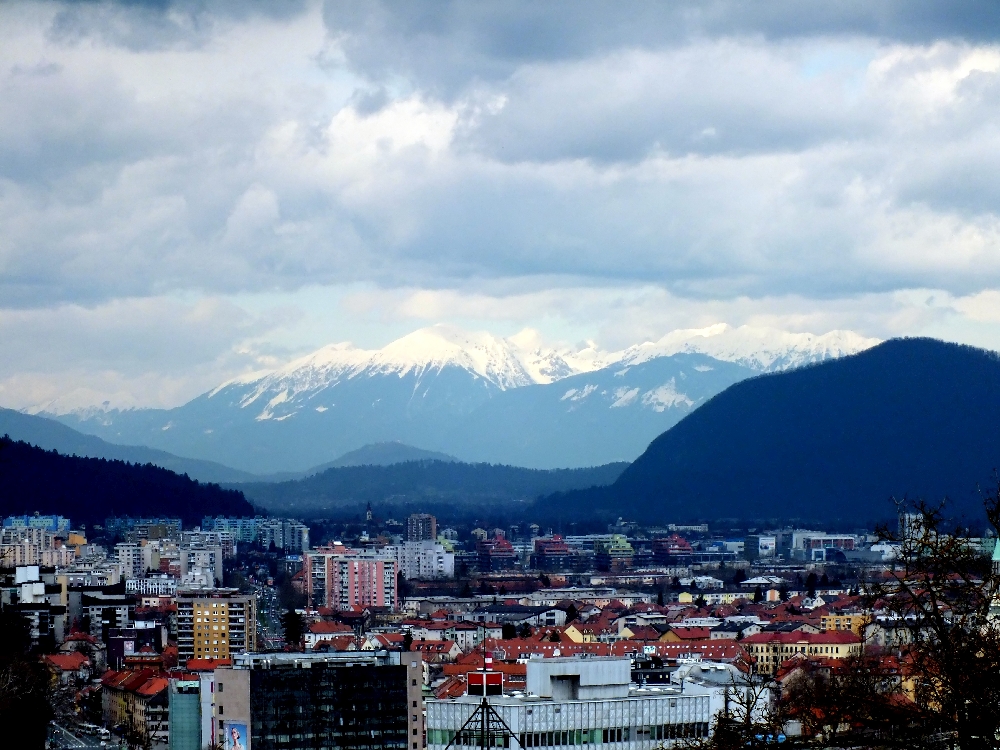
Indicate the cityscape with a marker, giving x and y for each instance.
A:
(155, 635)
(499, 375)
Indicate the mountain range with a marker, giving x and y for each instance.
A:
(473, 396)
(907, 419)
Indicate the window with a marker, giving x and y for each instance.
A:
(222, 710)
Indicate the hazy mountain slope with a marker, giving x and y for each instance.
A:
(53, 435)
(385, 454)
(910, 417)
(459, 484)
(87, 490)
(593, 418)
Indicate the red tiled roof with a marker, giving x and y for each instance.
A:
(153, 686)
(433, 647)
(324, 628)
(690, 633)
(70, 662)
(834, 637)
(207, 665)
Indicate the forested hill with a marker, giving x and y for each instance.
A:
(909, 418)
(428, 482)
(88, 490)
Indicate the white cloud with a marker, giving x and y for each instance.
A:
(425, 162)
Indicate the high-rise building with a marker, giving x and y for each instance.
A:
(355, 700)
(215, 624)
(285, 534)
(421, 527)
(340, 578)
(422, 560)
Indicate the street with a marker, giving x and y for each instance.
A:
(270, 632)
(60, 737)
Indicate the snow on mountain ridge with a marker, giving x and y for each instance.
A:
(524, 359)
(756, 347)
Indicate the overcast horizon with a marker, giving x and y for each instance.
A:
(194, 190)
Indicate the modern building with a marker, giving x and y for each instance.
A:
(613, 553)
(552, 554)
(358, 699)
(573, 701)
(340, 578)
(424, 559)
(184, 719)
(495, 554)
(215, 624)
(421, 527)
(760, 547)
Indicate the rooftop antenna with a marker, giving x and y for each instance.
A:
(485, 728)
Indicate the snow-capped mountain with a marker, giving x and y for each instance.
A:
(764, 349)
(469, 394)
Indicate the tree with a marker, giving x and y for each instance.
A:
(508, 631)
(700, 602)
(407, 640)
(294, 627)
(860, 695)
(25, 693)
(572, 613)
(739, 576)
(758, 595)
(943, 593)
(749, 717)
(525, 630)
(811, 585)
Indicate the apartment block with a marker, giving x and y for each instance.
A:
(215, 624)
(340, 578)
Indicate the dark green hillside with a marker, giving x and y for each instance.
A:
(436, 482)
(88, 490)
(833, 441)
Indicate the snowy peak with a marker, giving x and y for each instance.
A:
(759, 348)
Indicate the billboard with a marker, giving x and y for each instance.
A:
(236, 736)
(485, 683)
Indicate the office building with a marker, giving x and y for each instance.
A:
(184, 718)
(215, 624)
(350, 700)
(573, 701)
(421, 527)
(341, 578)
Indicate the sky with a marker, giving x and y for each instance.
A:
(194, 190)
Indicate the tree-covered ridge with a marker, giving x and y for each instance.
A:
(88, 490)
(434, 481)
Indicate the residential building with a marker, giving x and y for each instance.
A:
(495, 554)
(135, 559)
(215, 623)
(341, 578)
(137, 529)
(225, 540)
(421, 527)
(771, 648)
(360, 699)
(203, 559)
(155, 585)
(54, 524)
(136, 703)
(285, 534)
(552, 554)
(245, 530)
(613, 553)
(424, 560)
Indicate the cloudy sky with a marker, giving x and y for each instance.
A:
(196, 189)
